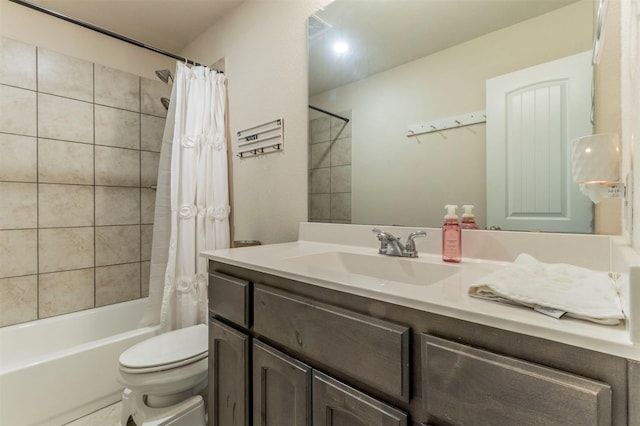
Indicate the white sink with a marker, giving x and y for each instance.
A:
(382, 267)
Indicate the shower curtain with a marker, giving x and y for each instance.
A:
(192, 199)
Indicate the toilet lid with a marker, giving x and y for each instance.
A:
(167, 350)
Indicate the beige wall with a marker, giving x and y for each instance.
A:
(264, 44)
(36, 28)
(449, 167)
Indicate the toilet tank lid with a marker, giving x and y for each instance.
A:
(167, 348)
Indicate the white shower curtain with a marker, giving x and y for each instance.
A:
(198, 199)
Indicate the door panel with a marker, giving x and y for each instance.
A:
(532, 115)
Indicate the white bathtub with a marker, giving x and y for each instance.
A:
(57, 369)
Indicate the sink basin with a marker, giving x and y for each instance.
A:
(382, 267)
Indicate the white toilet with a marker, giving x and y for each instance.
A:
(166, 379)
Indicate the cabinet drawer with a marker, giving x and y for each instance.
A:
(373, 351)
(229, 298)
(464, 385)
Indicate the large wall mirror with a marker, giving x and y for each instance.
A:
(386, 65)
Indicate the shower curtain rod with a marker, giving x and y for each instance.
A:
(103, 31)
(346, 120)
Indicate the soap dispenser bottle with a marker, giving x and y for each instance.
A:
(451, 236)
(468, 219)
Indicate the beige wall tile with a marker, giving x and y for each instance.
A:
(320, 180)
(65, 162)
(65, 205)
(117, 127)
(320, 206)
(117, 206)
(151, 131)
(117, 166)
(341, 206)
(150, 93)
(320, 130)
(147, 205)
(18, 108)
(117, 88)
(19, 252)
(341, 179)
(341, 152)
(18, 300)
(146, 238)
(65, 119)
(64, 75)
(145, 269)
(17, 64)
(117, 244)
(320, 155)
(18, 158)
(117, 283)
(64, 292)
(63, 249)
(18, 205)
(149, 168)
(340, 129)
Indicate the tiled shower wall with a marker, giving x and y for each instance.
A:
(79, 152)
(330, 169)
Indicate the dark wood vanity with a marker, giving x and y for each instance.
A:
(284, 352)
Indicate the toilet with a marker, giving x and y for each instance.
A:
(165, 379)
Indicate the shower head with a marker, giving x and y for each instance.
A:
(165, 102)
(164, 75)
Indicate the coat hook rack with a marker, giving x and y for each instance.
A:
(447, 123)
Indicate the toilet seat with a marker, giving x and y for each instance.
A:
(166, 351)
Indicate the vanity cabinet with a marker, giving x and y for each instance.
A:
(327, 357)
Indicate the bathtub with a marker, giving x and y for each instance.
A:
(58, 369)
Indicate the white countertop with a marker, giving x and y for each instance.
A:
(447, 297)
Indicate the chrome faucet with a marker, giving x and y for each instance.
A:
(391, 246)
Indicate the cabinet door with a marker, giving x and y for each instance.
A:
(228, 376)
(469, 386)
(281, 388)
(336, 404)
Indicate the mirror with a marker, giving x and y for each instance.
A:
(407, 62)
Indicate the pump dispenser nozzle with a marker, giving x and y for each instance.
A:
(451, 211)
(468, 219)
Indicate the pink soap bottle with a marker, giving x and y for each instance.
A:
(451, 236)
(468, 219)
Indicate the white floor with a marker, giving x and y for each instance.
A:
(108, 416)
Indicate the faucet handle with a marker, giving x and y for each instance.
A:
(411, 245)
(383, 237)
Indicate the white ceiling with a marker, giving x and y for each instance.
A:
(166, 24)
(383, 34)
(426, 26)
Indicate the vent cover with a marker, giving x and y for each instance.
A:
(316, 27)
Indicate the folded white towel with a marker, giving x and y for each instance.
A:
(580, 292)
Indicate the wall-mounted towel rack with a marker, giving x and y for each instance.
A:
(261, 139)
(447, 123)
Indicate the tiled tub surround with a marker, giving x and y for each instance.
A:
(79, 150)
(330, 169)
